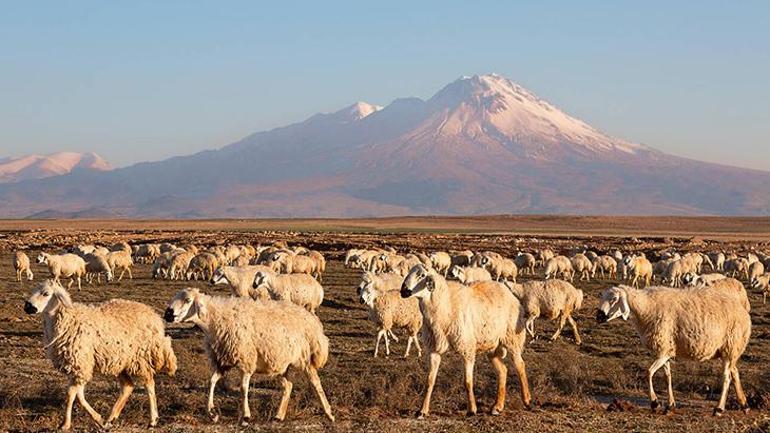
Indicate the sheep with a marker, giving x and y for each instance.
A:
(120, 260)
(755, 270)
(482, 317)
(287, 262)
(350, 254)
(697, 324)
(96, 265)
(717, 259)
(263, 338)
(544, 255)
(526, 262)
(638, 269)
(606, 265)
(558, 266)
(147, 253)
(762, 283)
(388, 310)
(582, 265)
(203, 266)
(693, 280)
(470, 274)
(737, 266)
(552, 299)
(301, 289)
(407, 264)
(22, 266)
(66, 265)
(730, 287)
(179, 265)
(500, 267)
(462, 258)
(240, 278)
(441, 262)
(119, 338)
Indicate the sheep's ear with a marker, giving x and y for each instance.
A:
(625, 310)
(430, 283)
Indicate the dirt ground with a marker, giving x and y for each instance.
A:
(572, 385)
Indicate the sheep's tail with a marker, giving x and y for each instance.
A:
(319, 350)
(165, 360)
(579, 300)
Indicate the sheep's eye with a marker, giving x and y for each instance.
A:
(188, 300)
(46, 294)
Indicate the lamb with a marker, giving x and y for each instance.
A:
(583, 266)
(441, 262)
(607, 266)
(552, 299)
(22, 266)
(119, 338)
(526, 262)
(482, 317)
(240, 278)
(262, 338)
(388, 310)
(638, 269)
(762, 283)
(755, 270)
(558, 266)
(470, 274)
(120, 260)
(697, 324)
(301, 289)
(67, 265)
(96, 265)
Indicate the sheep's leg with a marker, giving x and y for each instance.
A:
(72, 392)
(153, 401)
(435, 362)
(469, 364)
(408, 346)
(726, 372)
(671, 401)
(245, 410)
(764, 298)
(312, 375)
(284, 405)
(502, 376)
(575, 332)
(128, 388)
(130, 276)
(215, 376)
(380, 334)
(387, 344)
(660, 362)
(82, 400)
(392, 335)
(521, 371)
(562, 321)
(417, 346)
(79, 285)
(738, 387)
(122, 271)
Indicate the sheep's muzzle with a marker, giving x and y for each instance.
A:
(601, 316)
(169, 315)
(29, 308)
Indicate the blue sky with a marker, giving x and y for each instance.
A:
(139, 81)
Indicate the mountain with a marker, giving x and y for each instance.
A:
(481, 145)
(39, 167)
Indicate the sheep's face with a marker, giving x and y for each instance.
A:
(218, 277)
(261, 280)
(367, 294)
(183, 307)
(42, 258)
(613, 304)
(420, 283)
(41, 297)
(456, 272)
(366, 283)
(689, 278)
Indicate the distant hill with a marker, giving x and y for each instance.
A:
(39, 167)
(481, 145)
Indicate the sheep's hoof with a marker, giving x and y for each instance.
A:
(421, 415)
(153, 423)
(214, 416)
(495, 412)
(245, 421)
(330, 417)
(670, 409)
(654, 405)
(470, 413)
(107, 425)
(718, 411)
(278, 418)
(65, 427)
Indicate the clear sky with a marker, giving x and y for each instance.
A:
(144, 80)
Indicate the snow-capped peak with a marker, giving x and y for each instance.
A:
(38, 167)
(356, 112)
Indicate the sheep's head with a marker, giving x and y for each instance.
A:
(185, 306)
(613, 304)
(690, 278)
(367, 281)
(456, 272)
(261, 280)
(45, 296)
(42, 258)
(420, 282)
(219, 277)
(367, 293)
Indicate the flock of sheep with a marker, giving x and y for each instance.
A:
(465, 302)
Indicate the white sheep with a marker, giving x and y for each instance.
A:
(120, 260)
(67, 265)
(441, 262)
(756, 269)
(96, 265)
(694, 280)
(697, 324)
(119, 338)
(526, 263)
(22, 266)
(239, 278)
(262, 338)
(606, 265)
(552, 299)
(301, 289)
(388, 311)
(582, 265)
(762, 283)
(482, 317)
(559, 266)
(638, 268)
(469, 274)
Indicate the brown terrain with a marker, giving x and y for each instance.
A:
(599, 386)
